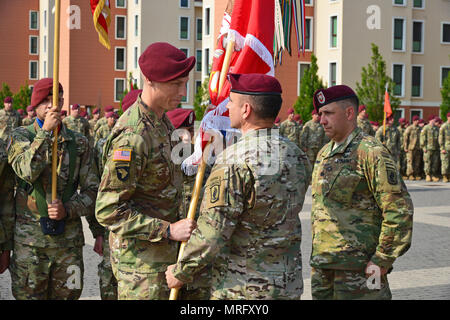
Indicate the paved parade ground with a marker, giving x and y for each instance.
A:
(423, 273)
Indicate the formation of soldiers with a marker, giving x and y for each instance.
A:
(245, 243)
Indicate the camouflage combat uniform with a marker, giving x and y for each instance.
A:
(102, 133)
(8, 121)
(361, 212)
(402, 130)
(392, 140)
(100, 122)
(92, 124)
(139, 196)
(429, 142)
(365, 126)
(291, 130)
(411, 142)
(45, 266)
(27, 121)
(312, 139)
(249, 225)
(80, 125)
(444, 143)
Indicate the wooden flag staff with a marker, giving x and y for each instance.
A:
(55, 96)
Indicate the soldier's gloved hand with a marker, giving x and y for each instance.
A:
(52, 119)
(4, 260)
(172, 282)
(98, 246)
(182, 230)
(56, 210)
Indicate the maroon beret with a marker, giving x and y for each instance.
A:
(314, 112)
(42, 89)
(83, 114)
(277, 120)
(297, 117)
(361, 108)
(63, 112)
(21, 111)
(109, 108)
(110, 114)
(8, 100)
(255, 84)
(95, 111)
(431, 118)
(162, 62)
(30, 108)
(181, 117)
(401, 120)
(130, 98)
(415, 118)
(322, 97)
(448, 115)
(290, 111)
(374, 123)
(75, 106)
(421, 121)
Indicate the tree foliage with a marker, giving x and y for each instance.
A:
(201, 100)
(21, 100)
(445, 93)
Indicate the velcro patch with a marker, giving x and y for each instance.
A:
(122, 155)
(216, 189)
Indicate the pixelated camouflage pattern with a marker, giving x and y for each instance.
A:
(31, 161)
(361, 209)
(291, 130)
(392, 140)
(444, 143)
(107, 280)
(402, 151)
(329, 284)
(429, 141)
(100, 122)
(43, 273)
(7, 206)
(92, 124)
(249, 225)
(8, 121)
(312, 139)
(365, 126)
(138, 199)
(27, 121)
(102, 133)
(411, 142)
(80, 125)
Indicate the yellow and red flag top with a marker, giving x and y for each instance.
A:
(101, 11)
(387, 105)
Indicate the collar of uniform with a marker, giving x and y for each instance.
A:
(344, 145)
(149, 112)
(265, 132)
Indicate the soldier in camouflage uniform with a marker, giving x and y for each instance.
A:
(76, 122)
(102, 121)
(402, 128)
(361, 212)
(249, 225)
(363, 121)
(93, 121)
(429, 142)
(9, 119)
(313, 138)
(104, 131)
(391, 139)
(7, 208)
(289, 128)
(47, 261)
(30, 118)
(140, 192)
(444, 142)
(411, 145)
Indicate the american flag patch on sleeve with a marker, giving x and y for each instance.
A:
(122, 155)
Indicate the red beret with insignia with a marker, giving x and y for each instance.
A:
(109, 108)
(254, 84)
(322, 97)
(130, 98)
(30, 108)
(181, 117)
(361, 108)
(8, 100)
(96, 110)
(42, 89)
(162, 62)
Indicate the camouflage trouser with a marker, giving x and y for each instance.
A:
(142, 286)
(46, 273)
(107, 281)
(200, 288)
(445, 163)
(312, 155)
(413, 160)
(403, 163)
(431, 163)
(327, 284)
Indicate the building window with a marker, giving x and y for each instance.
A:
(185, 51)
(400, 3)
(199, 60)
(399, 34)
(416, 112)
(184, 28)
(398, 76)
(302, 67)
(136, 25)
(308, 35)
(333, 74)
(136, 58)
(45, 18)
(418, 33)
(34, 20)
(121, 4)
(207, 21)
(444, 74)
(333, 32)
(34, 72)
(45, 44)
(120, 27)
(446, 32)
(308, 2)
(45, 69)
(119, 88)
(207, 61)
(184, 3)
(199, 29)
(120, 59)
(419, 4)
(416, 90)
(185, 98)
(33, 45)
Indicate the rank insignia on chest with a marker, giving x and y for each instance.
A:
(122, 155)
(123, 173)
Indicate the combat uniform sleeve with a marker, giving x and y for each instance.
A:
(27, 158)
(83, 203)
(304, 137)
(396, 206)
(7, 204)
(115, 208)
(423, 138)
(442, 138)
(224, 201)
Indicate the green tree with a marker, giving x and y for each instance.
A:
(5, 92)
(445, 93)
(372, 89)
(309, 84)
(22, 99)
(201, 100)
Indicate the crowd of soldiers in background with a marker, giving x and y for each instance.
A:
(420, 149)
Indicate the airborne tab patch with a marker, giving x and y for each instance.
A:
(122, 155)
